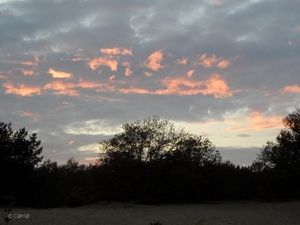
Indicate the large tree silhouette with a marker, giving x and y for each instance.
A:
(19, 154)
(149, 157)
(153, 140)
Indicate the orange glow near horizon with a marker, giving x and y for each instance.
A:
(256, 121)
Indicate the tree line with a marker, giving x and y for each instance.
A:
(150, 162)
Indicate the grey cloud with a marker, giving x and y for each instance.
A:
(253, 36)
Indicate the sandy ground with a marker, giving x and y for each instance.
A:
(223, 213)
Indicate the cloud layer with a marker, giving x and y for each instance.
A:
(74, 71)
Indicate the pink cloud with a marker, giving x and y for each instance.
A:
(59, 74)
(128, 72)
(211, 61)
(256, 121)
(208, 62)
(100, 87)
(154, 61)
(134, 90)
(70, 143)
(116, 51)
(27, 72)
(62, 88)
(26, 63)
(103, 61)
(112, 77)
(190, 73)
(21, 89)
(215, 85)
(218, 3)
(292, 89)
(79, 59)
(223, 64)
(182, 61)
(34, 116)
(148, 74)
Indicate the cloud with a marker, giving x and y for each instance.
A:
(211, 61)
(70, 143)
(190, 73)
(77, 59)
(148, 74)
(128, 72)
(292, 89)
(256, 121)
(92, 127)
(215, 85)
(149, 46)
(100, 87)
(27, 72)
(103, 61)
(62, 88)
(243, 135)
(154, 61)
(59, 74)
(219, 3)
(182, 61)
(112, 77)
(223, 64)
(26, 63)
(134, 90)
(34, 116)
(90, 148)
(21, 89)
(116, 51)
(207, 62)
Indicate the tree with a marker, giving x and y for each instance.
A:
(19, 155)
(149, 157)
(152, 140)
(285, 152)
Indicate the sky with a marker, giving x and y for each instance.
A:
(74, 71)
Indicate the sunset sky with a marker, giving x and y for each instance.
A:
(74, 71)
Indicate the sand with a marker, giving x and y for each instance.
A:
(218, 213)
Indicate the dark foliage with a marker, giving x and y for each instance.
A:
(151, 163)
(278, 164)
(19, 154)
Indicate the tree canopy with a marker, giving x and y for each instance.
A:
(19, 154)
(153, 140)
(285, 152)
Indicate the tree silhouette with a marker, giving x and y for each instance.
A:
(285, 152)
(150, 156)
(279, 162)
(19, 155)
(153, 140)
